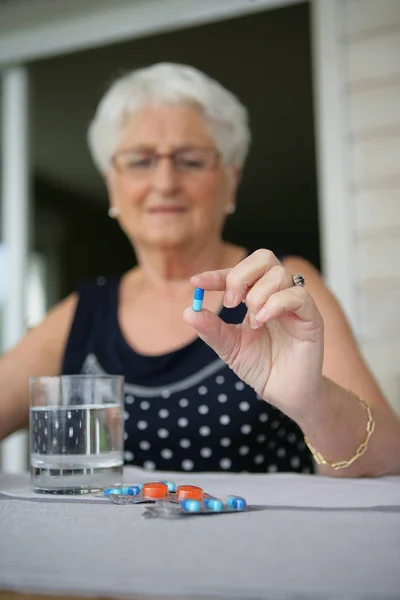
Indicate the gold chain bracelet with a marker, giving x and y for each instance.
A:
(319, 459)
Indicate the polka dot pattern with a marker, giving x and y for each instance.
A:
(187, 465)
(166, 453)
(259, 438)
(239, 385)
(149, 465)
(225, 463)
(163, 433)
(295, 462)
(206, 452)
(184, 411)
(204, 430)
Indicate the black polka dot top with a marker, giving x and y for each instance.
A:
(185, 410)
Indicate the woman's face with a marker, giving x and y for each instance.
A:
(169, 202)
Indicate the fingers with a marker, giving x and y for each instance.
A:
(211, 280)
(238, 281)
(276, 279)
(260, 280)
(293, 300)
(222, 337)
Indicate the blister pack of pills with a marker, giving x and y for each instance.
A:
(169, 501)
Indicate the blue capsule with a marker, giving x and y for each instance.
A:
(170, 485)
(198, 299)
(235, 502)
(213, 504)
(108, 491)
(190, 505)
(131, 490)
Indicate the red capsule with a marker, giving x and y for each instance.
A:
(186, 492)
(154, 490)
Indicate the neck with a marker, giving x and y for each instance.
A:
(166, 268)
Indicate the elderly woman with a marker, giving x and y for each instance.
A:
(267, 376)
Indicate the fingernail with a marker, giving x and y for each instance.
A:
(261, 316)
(229, 299)
(254, 323)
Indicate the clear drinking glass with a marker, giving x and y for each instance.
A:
(76, 433)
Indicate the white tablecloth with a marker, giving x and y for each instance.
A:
(314, 538)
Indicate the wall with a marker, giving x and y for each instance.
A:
(370, 42)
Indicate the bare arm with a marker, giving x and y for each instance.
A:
(40, 352)
(337, 434)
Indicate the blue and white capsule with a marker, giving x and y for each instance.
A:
(213, 504)
(198, 297)
(131, 490)
(108, 491)
(189, 505)
(236, 502)
(170, 485)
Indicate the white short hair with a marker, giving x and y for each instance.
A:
(171, 84)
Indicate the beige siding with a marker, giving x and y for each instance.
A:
(362, 16)
(374, 108)
(374, 56)
(376, 159)
(377, 211)
(370, 40)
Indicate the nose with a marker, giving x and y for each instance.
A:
(165, 178)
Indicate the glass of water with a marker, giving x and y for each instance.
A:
(76, 433)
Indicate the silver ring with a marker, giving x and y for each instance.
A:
(298, 280)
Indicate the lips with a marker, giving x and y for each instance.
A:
(166, 210)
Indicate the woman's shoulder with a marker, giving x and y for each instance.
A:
(298, 264)
(314, 281)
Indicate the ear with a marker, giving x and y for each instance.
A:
(233, 177)
(112, 211)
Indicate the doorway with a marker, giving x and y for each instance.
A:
(264, 58)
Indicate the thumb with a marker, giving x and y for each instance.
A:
(222, 337)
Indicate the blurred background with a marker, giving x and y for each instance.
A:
(321, 80)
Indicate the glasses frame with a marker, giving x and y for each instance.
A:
(156, 156)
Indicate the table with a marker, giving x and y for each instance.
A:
(312, 538)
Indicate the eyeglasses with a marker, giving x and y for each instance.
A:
(185, 160)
